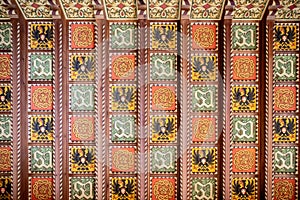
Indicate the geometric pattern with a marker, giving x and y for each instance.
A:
(204, 68)
(244, 189)
(204, 37)
(77, 9)
(204, 188)
(5, 36)
(244, 68)
(41, 188)
(163, 98)
(163, 67)
(163, 36)
(284, 189)
(123, 128)
(285, 98)
(120, 9)
(243, 129)
(41, 36)
(82, 128)
(163, 188)
(40, 66)
(82, 97)
(206, 10)
(244, 37)
(161, 9)
(123, 36)
(285, 67)
(41, 159)
(123, 159)
(5, 128)
(163, 159)
(204, 98)
(243, 160)
(285, 160)
(5, 159)
(82, 188)
(5, 66)
(204, 160)
(204, 129)
(41, 97)
(82, 36)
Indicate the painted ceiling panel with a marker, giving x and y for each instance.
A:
(288, 9)
(206, 9)
(120, 9)
(78, 9)
(35, 9)
(249, 9)
(3, 9)
(163, 9)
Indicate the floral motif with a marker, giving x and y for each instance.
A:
(121, 9)
(5, 98)
(163, 98)
(204, 160)
(41, 36)
(204, 68)
(164, 9)
(244, 98)
(163, 36)
(123, 188)
(5, 67)
(164, 129)
(163, 189)
(5, 159)
(285, 98)
(82, 36)
(244, 67)
(285, 129)
(288, 9)
(82, 159)
(123, 67)
(41, 128)
(42, 188)
(123, 36)
(243, 159)
(78, 9)
(204, 9)
(123, 160)
(285, 37)
(249, 9)
(123, 98)
(41, 66)
(33, 9)
(82, 67)
(284, 189)
(82, 128)
(204, 36)
(243, 188)
(204, 129)
(244, 37)
(41, 97)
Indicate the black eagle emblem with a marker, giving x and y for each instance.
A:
(203, 159)
(5, 98)
(123, 188)
(42, 34)
(83, 66)
(284, 128)
(5, 189)
(203, 66)
(244, 98)
(164, 34)
(43, 127)
(285, 36)
(163, 128)
(123, 97)
(243, 189)
(83, 158)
